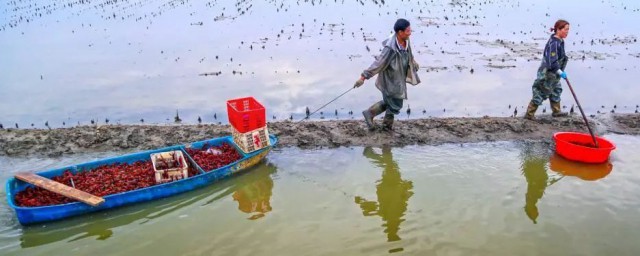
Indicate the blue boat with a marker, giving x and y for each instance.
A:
(31, 215)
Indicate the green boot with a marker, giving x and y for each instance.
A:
(387, 122)
(556, 112)
(372, 112)
(531, 111)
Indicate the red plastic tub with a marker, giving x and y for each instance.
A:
(573, 146)
(246, 114)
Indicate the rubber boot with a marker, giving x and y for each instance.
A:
(531, 111)
(387, 122)
(372, 112)
(555, 108)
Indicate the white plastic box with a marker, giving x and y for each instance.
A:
(169, 166)
(252, 140)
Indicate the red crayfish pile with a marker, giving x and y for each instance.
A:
(211, 158)
(101, 181)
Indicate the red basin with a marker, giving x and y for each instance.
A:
(570, 145)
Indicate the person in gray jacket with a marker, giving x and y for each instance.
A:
(395, 67)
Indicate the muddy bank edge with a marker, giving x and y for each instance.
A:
(308, 134)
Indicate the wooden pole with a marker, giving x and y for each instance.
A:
(59, 188)
(595, 142)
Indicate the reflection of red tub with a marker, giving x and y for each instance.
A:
(570, 146)
(583, 171)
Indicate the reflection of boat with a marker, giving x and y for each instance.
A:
(254, 195)
(29, 215)
(583, 171)
(101, 225)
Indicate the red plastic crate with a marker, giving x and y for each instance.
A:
(246, 114)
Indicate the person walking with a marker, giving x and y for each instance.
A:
(395, 67)
(547, 84)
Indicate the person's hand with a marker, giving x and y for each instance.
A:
(562, 74)
(359, 83)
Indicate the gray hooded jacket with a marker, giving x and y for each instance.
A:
(393, 78)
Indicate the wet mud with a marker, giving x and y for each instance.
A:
(309, 134)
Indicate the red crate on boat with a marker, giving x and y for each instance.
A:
(246, 114)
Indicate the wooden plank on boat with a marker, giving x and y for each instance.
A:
(59, 188)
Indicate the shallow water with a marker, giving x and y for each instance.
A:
(140, 59)
(503, 198)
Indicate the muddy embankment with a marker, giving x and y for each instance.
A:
(308, 134)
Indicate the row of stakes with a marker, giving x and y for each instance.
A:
(177, 118)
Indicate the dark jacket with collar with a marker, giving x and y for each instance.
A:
(554, 55)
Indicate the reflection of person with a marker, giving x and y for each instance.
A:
(533, 169)
(554, 61)
(255, 195)
(393, 193)
(396, 67)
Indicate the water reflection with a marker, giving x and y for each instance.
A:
(254, 194)
(534, 168)
(101, 224)
(393, 193)
(588, 172)
(288, 61)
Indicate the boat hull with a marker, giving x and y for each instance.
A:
(31, 215)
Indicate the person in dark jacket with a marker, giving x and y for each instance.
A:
(396, 67)
(554, 62)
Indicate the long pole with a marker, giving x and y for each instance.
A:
(595, 142)
(307, 117)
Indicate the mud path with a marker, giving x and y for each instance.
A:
(313, 134)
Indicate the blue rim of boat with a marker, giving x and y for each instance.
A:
(203, 178)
